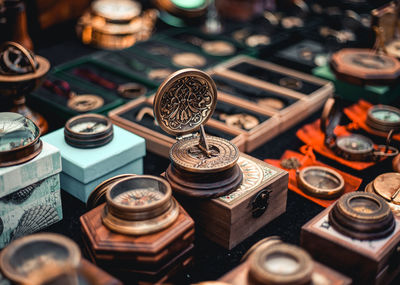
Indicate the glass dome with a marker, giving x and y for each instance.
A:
(16, 131)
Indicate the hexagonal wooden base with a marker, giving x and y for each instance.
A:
(147, 255)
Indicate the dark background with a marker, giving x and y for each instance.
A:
(59, 44)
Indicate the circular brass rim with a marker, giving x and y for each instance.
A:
(383, 177)
(319, 192)
(141, 227)
(351, 151)
(176, 154)
(131, 90)
(367, 225)
(69, 123)
(10, 272)
(97, 196)
(380, 124)
(98, 102)
(301, 276)
(138, 211)
(166, 85)
(24, 153)
(265, 242)
(344, 205)
(394, 207)
(188, 59)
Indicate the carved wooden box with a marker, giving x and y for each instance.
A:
(128, 117)
(147, 258)
(367, 262)
(252, 81)
(230, 219)
(239, 275)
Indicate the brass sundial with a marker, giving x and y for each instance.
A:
(182, 105)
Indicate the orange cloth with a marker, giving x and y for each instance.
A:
(351, 183)
(358, 114)
(312, 135)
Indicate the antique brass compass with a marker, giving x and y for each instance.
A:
(201, 166)
(353, 146)
(272, 261)
(321, 182)
(138, 205)
(383, 118)
(24, 260)
(363, 216)
(19, 139)
(387, 186)
(88, 131)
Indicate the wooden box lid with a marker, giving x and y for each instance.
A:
(146, 249)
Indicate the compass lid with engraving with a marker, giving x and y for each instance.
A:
(182, 105)
(365, 67)
(184, 101)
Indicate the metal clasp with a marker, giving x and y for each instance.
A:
(260, 202)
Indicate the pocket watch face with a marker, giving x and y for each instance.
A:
(139, 197)
(386, 115)
(116, 9)
(355, 143)
(16, 131)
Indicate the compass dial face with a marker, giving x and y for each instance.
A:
(386, 115)
(355, 143)
(116, 9)
(89, 127)
(16, 131)
(322, 179)
(139, 197)
(187, 155)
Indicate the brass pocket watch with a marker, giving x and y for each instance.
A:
(88, 131)
(363, 216)
(273, 262)
(321, 182)
(351, 147)
(19, 139)
(36, 258)
(201, 165)
(138, 205)
(387, 186)
(383, 118)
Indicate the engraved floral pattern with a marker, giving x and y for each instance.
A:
(186, 103)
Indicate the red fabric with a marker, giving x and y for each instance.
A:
(358, 114)
(311, 135)
(352, 183)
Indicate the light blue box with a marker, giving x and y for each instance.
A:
(47, 163)
(30, 209)
(71, 185)
(84, 169)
